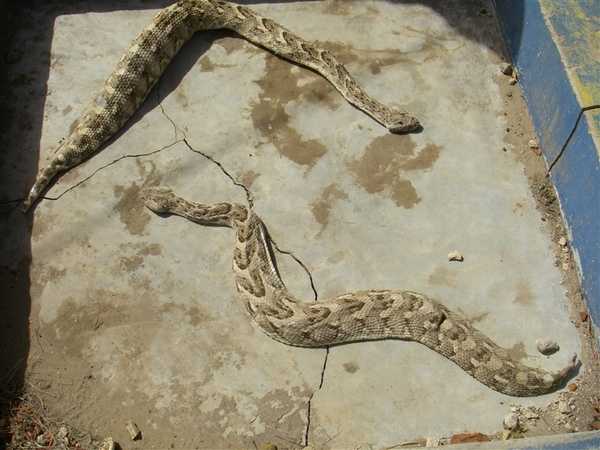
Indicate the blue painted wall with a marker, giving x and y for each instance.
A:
(555, 105)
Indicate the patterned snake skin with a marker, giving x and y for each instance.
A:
(152, 51)
(357, 316)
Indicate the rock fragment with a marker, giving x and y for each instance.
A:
(511, 421)
(455, 256)
(133, 430)
(506, 69)
(107, 444)
(563, 407)
(547, 346)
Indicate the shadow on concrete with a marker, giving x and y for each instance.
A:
(24, 69)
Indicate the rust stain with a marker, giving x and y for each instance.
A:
(380, 167)
(321, 207)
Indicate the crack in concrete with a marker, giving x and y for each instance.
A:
(114, 161)
(250, 200)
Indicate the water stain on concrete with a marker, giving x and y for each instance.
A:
(350, 367)
(523, 294)
(321, 207)
(442, 276)
(197, 315)
(181, 97)
(380, 167)
(279, 86)
(77, 320)
(131, 209)
(135, 261)
(338, 7)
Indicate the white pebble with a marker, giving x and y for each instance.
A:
(455, 256)
(511, 421)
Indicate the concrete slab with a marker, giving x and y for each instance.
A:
(137, 314)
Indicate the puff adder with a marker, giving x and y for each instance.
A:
(356, 316)
(151, 52)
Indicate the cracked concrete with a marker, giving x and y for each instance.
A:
(136, 315)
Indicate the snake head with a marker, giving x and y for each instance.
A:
(160, 200)
(401, 122)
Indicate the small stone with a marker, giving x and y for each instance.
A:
(506, 69)
(506, 434)
(533, 144)
(511, 421)
(566, 266)
(269, 446)
(133, 430)
(572, 387)
(43, 440)
(455, 256)
(583, 315)
(595, 425)
(512, 81)
(563, 407)
(432, 442)
(531, 414)
(547, 346)
(462, 438)
(562, 241)
(62, 433)
(107, 444)
(509, 94)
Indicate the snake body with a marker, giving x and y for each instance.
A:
(356, 316)
(151, 52)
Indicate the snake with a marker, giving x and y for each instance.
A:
(356, 316)
(151, 52)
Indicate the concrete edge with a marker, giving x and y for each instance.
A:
(565, 129)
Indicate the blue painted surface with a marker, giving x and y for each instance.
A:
(587, 443)
(554, 109)
(577, 180)
(542, 76)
